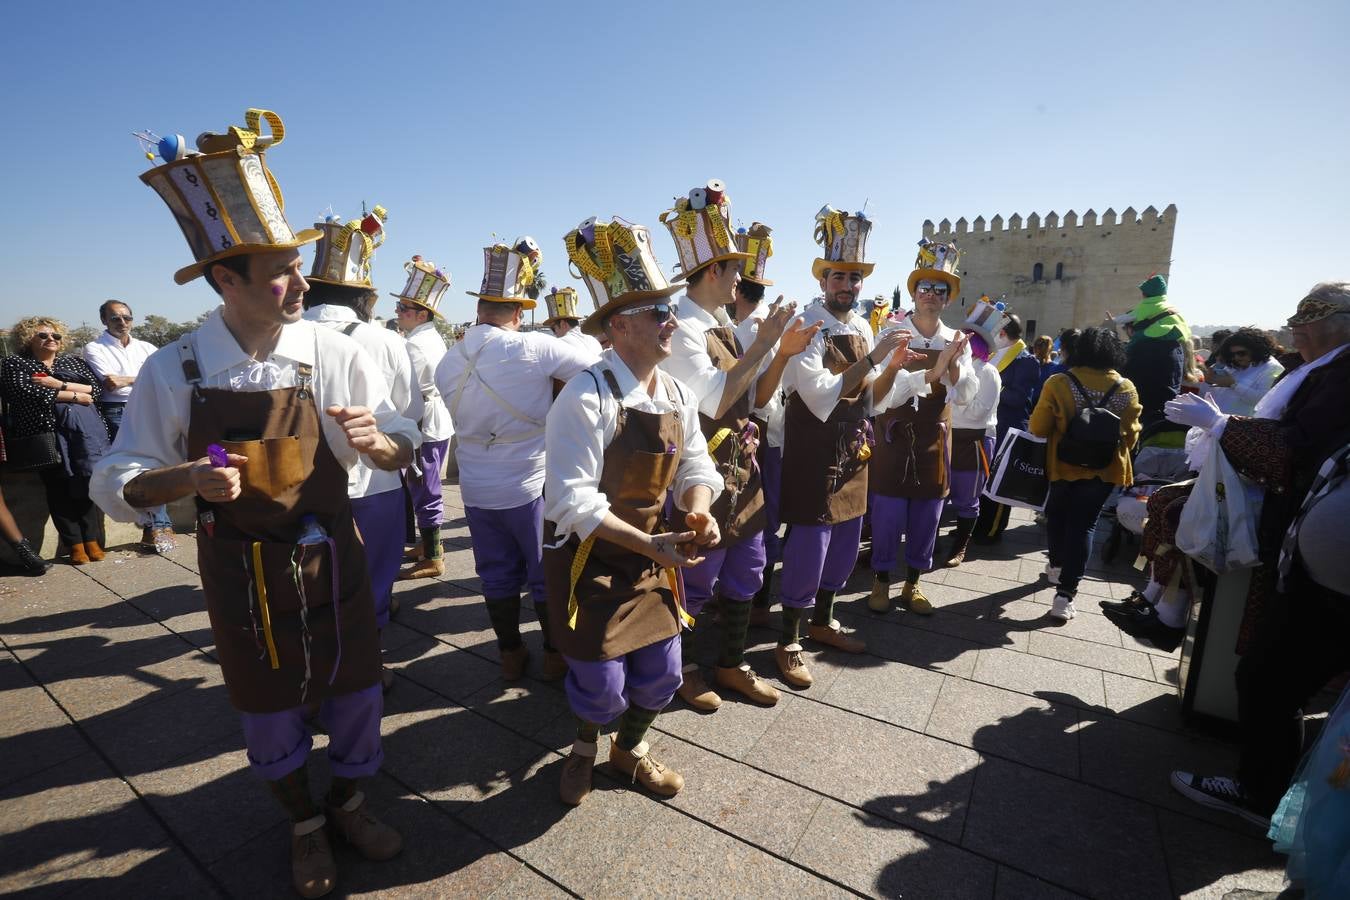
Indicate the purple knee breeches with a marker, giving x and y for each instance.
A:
(379, 518)
(599, 692)
(426, 491)
(507, 550)
(818, 556)
(738, 569)
(915, 520)
(279, 743)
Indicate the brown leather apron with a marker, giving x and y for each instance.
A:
(739, 509)
(966, 444)
(914, 445)
(824, 478)
(280, 639)
(624, 601)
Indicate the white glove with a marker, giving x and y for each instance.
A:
(1193, 410)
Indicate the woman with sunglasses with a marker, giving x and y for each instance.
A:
(50, 393)
(1242, 370)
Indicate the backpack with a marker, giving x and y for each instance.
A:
(1093, 435)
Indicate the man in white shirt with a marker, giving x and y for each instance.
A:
(417, 308)
(973, 427)
(259, 415)
(116, 358)
(498, 383)
(565, 322)
(618, 437)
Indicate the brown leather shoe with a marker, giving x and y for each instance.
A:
(575, 783)
(368, 835)
(638, 765)
(313, 871)
(914, 600)
(78, 557)
(513, 662)
(427, 568)
(554, 667)
(93, 551)
(880, 600)
(743, 680)
(148, 539)
(792, 666)
(832, 635)
(695, 691)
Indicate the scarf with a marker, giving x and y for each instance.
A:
(1273, 404)
(1009, 353)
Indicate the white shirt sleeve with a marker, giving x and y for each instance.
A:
(563, 360)
(907, 386)
(97, 356)
(576, 432)
(967, 385)
(363, 385)
(818, 387)
(981, 406)
(696, 466)
(690, 363)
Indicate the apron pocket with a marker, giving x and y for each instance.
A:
(645, 476)
(274, 465)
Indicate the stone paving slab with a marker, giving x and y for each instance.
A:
(981, 752)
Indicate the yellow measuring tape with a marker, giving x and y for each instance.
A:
(716, 440)
(262, 603)
(579, 563)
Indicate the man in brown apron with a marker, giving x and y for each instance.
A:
(619, 436)
(826, 443)
(708, 358)
(259, 415)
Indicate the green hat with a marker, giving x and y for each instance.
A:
(1154, 286)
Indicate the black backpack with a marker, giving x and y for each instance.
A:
(1093, 436)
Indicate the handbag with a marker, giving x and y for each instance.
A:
(35, 451)
(1218, 523)
(1018, 476)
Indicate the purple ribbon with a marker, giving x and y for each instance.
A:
(337, 623)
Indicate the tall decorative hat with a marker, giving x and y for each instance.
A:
(986, 318)
(843, 241)
(757, 245)
(224, 197)
(937, 262)
(426, 285)
(701, 227)
(346, 249)
(562, 304)
(512, 274)
(616, 262)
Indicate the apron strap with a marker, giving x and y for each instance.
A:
(471, 369)
(673, 575)
(187, 358)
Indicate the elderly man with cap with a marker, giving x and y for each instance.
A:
(498, 383)
(418, 308)
(619, 436)
(708, 357)
(565, 322)
(827, 440)
(259, 416)
(909, 472)
(341, 297)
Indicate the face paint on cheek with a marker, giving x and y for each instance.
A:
(278, 290)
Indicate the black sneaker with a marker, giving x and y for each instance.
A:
(1217, 792)
(1145, 625)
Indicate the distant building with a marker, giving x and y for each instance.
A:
(1060, 273)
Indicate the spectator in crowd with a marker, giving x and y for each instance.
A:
(1078, 486)
(30, 563)
(1067, 338)
(1020, 377)
(116, 358)
(48, 393)
(1159, 345)
(1241, 370)
(1043, 348)
(1218, 337)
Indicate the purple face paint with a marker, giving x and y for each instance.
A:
(278, 290)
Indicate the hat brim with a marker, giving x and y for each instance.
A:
(197, 269)
(400, 297)
(820, 265)
(763, 282)
(332, 282)
(953, 282)
(595, 323)
(551, 319)
(525, 302)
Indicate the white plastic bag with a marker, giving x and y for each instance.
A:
(1218, 523)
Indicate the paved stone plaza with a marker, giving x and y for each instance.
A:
(981, 752)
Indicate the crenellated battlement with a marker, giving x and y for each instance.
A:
(1052, 221)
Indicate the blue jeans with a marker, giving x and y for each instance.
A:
(150, 518)
(1071, 513)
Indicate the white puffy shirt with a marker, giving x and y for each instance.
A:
(106, 356)
(689, 360)
(154, 428)
(982, 410)
(911, 385)
(583, 342)
(806, 373)
(426, 347)
(771, 412)
(582, 424)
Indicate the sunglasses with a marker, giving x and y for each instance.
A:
(660, 311)
(119, 318)
(44, 336)
(928, 287)
(404, 307)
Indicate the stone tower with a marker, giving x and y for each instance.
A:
(1059, 273)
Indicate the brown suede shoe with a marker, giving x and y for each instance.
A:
(743, 680)
(77, 555)
(313, 871)
(427, 568)
(792, 666)
(554, 667)
(148, 539)
(575, 783)
(880, 600)
(832, 635)
(695, 691)
(513, 662)
(649, 773)
(368, 835)
(913, 598)
(93, 551)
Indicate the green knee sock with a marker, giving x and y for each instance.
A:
(292, 792)
(541, 613)
(340, 791)
(633, 725)
(505, 615)
(912, 574)
(431, 542)
(824, 613)
(735, 623)
(587, 731)
(792, 626)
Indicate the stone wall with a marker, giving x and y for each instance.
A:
(1088, 265)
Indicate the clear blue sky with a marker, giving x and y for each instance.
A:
(469, 119)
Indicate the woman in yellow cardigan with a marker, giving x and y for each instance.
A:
(1077, 494)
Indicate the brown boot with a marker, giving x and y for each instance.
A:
(913, 598)
(78, 556)
(695, 691)
(368, 835)
(792, 666)
(93, 551)
(638, 765)
(960, 543)
(313, 871)
(427, 568)
(880, 600)
(575, 783)
(743, 680)
(147, 544)
(513, 662)
(554, 668)
(832, 635)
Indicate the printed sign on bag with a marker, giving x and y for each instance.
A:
(1018, 472)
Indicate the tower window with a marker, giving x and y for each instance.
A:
(1059, 271)
(1037, 272)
